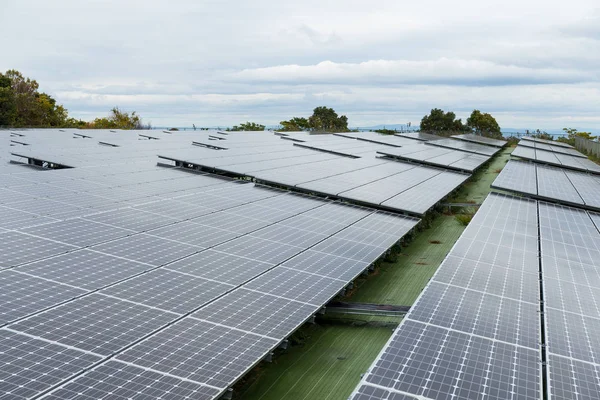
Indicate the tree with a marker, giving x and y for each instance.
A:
(323, 119)
(385, 131)
(484, 124)
(572, 133)
(440, 121)
(538, 134)
(8, 106)
(294, 125)
(248, 126)
(327, 120)
(22, 105)
(118, 119)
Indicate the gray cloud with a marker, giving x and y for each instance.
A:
(532, 64)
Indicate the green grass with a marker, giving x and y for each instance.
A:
(329, 363)
(327, 367)
(401, 282)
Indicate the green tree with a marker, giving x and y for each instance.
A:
(248, 126)
(484, 124)
(294, 125)
(572, 133)
(8, 106)
(440, 121)
(386, 131)
(327, 120)
(540, 134)
(118, 119)
(22, 105)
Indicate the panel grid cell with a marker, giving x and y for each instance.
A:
(95, 323)
(117, 380)
(32, 366)
(200, 351)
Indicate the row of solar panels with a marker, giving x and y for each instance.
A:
(133, 280)
(125, 279)
(512, 312)
(475, 331)
(545, 182)
(399, 186)
(556, 159)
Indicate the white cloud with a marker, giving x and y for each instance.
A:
(440, 71)
(533, 64)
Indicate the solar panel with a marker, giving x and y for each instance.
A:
(368, 392)
(569, 377)
(32, 366)
(130, 218)
(18, 248)
(200, 351)
(117, 379)
(576, 163)
(487, 278)
(475, 329)
(518, 177)
(551, 142)
(24, 294)
(469, 147)
(231, 222)
(551, 147)
(78, 232)
(221, 267)
(549, 183)
(193, 233)
(524, 152)
(175, 209)
(287, 234)
(554, 184)
(84, 268)
(435, 363)
(258, 313)
(587, 186)
(148, 249)
(349, 249)
(479, 314)
(95, 323)
(168, 290)
(419, 136)
(419, 199)
(121, 260)
(259, 249)
(480, 139)
(297, 285)
(438, 157)
(324, 264)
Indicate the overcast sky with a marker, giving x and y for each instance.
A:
(531, 63)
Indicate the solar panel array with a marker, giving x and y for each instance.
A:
(426, 137)
(512, 312)
(469, 137)
(475, 331)
(374, 137)
(549, 183)
(122, 278)
(552, 147)
(469, 147)
(544, 141)
(561, 160)
(363, 179)
(437, 157)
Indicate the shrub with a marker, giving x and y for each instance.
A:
(464, 219)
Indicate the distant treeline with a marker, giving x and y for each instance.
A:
(22, 105)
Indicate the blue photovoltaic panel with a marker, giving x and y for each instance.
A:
(474, 332)
(127, 279)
